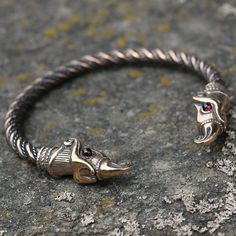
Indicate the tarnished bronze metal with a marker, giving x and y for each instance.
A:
(212, 104)
(88, 165)
(70, 160)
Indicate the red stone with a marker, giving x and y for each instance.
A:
(207, 106)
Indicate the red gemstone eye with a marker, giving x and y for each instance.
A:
(207, 106)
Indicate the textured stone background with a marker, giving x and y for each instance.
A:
(139, 115)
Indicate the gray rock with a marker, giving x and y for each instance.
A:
(139, 115)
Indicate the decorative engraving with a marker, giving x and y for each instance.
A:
(212, 104)
(85, 164)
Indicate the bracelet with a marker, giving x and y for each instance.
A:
(88, 165)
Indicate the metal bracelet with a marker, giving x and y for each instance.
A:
(85, 164)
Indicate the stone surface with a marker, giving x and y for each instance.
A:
(139, 115)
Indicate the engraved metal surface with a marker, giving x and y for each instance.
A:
(60, 161)
(70, 159)
(212, 104)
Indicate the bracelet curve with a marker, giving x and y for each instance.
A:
(88, 165)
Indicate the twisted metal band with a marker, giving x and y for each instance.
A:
(24, 101)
